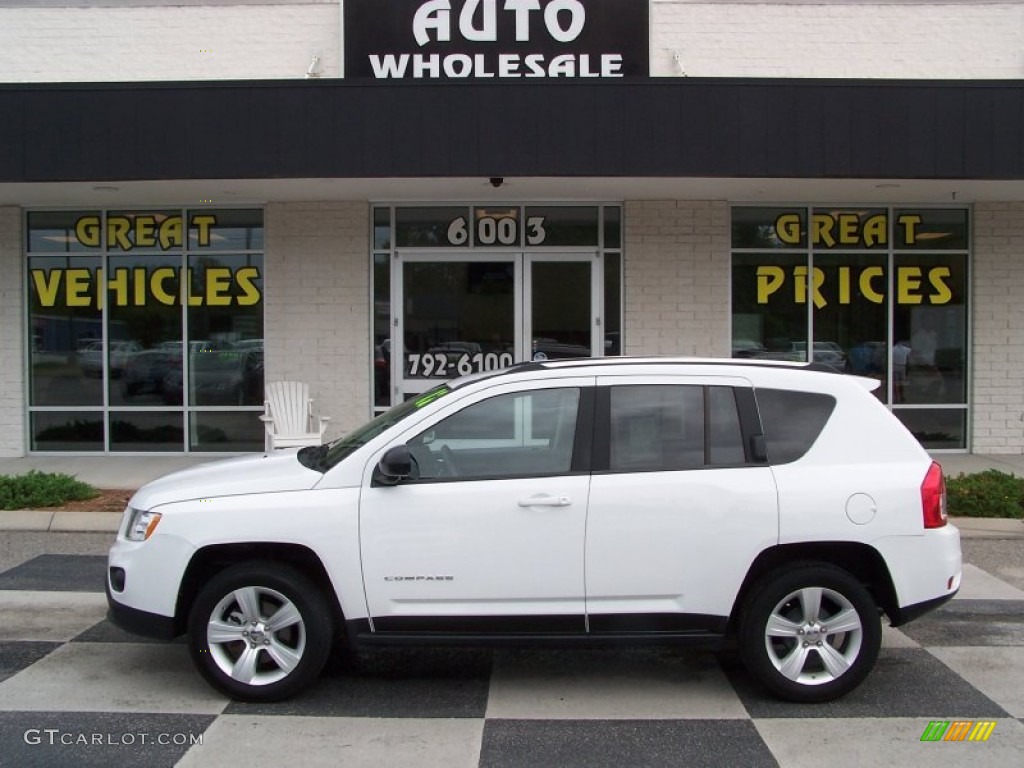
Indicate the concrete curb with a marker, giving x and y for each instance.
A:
(989, 527)
(42, 520)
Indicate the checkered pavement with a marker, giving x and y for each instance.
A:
(76, 691)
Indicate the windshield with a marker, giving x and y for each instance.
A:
(351, 442)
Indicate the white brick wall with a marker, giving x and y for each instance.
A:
(998, 279)
(12, 335)
(676, 278)
(316, 298)
(168, 42)
(800, 38)
(895, 39)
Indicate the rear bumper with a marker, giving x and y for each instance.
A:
(926, 571)
(908, 613)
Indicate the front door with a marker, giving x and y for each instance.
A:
(488, 535)
(465, 313)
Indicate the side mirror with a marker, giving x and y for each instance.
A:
(394, 466)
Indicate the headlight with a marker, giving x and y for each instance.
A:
(141, 524)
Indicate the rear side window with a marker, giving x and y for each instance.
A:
(669, 427)
(792, 421)
(656, 428)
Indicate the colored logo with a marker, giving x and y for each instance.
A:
(958, 730)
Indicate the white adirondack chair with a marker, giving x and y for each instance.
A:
(288, 416)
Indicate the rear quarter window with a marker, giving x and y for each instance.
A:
(792, 421)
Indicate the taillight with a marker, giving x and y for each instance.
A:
(933, 497)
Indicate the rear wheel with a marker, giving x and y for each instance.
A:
(260, 632)
(811, 633)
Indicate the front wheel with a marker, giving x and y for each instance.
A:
(811, 633)
(260, 632)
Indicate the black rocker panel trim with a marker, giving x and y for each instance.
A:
(538, 627)
(657, 622)
(481, 625)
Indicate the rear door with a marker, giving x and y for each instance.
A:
(679, 505)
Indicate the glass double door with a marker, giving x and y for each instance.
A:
(468, 313)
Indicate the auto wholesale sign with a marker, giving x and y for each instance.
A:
(495, 39)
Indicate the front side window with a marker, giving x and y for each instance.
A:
(515, 435)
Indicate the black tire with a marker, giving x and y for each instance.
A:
(279, 661)
(791, 663)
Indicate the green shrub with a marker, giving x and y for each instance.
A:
(37, 489)
(985, 494)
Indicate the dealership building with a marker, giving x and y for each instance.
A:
(198, 197)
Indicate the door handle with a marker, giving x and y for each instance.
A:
(543, 500)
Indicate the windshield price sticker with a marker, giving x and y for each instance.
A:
(439, 365)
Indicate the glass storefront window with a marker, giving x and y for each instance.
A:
(552, 225)
(887, 288)
(66, 431)
(931, 321)
(169, 296)
(144, 329)
(612, 226)
(133, 431)
(225, 328)
(936, 429)
(381, 330)
(763, 228)
(769, 306)
(225, 431)
(64, 231)
(848, 229)
(431, 227)
(225, 230)
(934, 229)
(612, 304)
(66, 348)
(381, 228)
(851, 315)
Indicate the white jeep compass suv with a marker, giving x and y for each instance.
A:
(683, 501)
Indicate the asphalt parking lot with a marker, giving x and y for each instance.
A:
(75, 690)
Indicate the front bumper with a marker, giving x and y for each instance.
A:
(139, 622)
(143, 580)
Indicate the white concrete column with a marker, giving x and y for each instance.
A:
(317, 305)
(676, 278)
(13, 406)
(998, 332)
